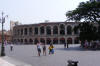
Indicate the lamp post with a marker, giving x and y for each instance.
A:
(2, 21)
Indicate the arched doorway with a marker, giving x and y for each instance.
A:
(18, 41)
(76, 40)
(36, 30)
(36, 41)
(69, 40)
(69, 30)
(25, 31)
(21, 40)
(42, 40)
(55, 30)
(48, 40)
(76, 30)
(55, 40)
(48, 30)
(30, 31)
(62, 40)
(30, 41)
(42, 30)
(26, 41)
(62, 29)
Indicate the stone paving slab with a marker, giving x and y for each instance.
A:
(28, 54)
(5, 63)
(14, 62)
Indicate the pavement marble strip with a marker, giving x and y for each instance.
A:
(14, 62)
(5, 63)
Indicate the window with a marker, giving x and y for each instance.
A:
(62, 29)
(36, 30)
(42, 30)
(25, 31)
(48, 29)
(69, 30)
(55, 30)
(30, 31)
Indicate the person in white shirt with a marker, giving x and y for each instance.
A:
(39, 48)
(11, 47)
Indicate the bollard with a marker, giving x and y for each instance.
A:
(72, 63)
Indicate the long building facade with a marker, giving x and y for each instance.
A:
(52, 32)
(94, 0)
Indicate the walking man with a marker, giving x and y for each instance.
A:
(44, 49)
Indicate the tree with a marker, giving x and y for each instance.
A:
(87, 31)
(86, 11)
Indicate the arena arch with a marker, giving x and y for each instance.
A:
(69, 40)
(48, 40)
(25, 31)
(30, 41)
(18, 40)
(48, 30)
(55, 40)
(15, 41)
(62, 40)
(25, 41)
(42, 30)
(76, 30)
(21, 31)
(76, 40)
(55, 30)
(62, 29)
(36, 41)
(69, 30)
(36, 30)
(42, 40)
(18, 31)
(30, 31)
(21, 40)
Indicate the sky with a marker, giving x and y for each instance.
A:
(36, 11)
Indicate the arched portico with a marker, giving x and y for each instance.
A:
(62, 40)
(69, 40)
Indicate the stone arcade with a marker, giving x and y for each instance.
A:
(51, 32)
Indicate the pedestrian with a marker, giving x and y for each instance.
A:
(11, 47)
(51, 49)
(39, 48)
(90, 44)
(65, 45)
(80, 43)
(86, 44)
(44, 49)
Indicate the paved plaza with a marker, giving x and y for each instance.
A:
(28, 54)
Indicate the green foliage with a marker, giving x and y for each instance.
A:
(88, 12)
(87, 31)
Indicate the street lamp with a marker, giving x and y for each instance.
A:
(2, 21)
